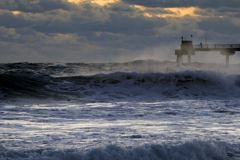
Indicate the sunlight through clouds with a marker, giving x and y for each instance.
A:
(180, 12)
(175, 12)
(100, 2)
(16, 12)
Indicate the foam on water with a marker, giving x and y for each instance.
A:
(129, 123)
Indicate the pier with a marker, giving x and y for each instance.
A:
(189, 49)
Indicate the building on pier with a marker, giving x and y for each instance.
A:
(189, 49)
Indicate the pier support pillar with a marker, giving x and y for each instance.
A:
(179, 59)
(227, 60)
(189, 59)
(179, 55)
(227, 53)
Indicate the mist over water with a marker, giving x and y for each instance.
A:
(144, 109)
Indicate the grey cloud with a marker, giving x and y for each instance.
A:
(137, 42)
(21, 36)
(123, 24)
(123, 8)
(116, 26)
(186, 3)
(77, 23)
(54, 4)
(220, 25)
(95, 31)
(34, 7)
(7, 35)
(224, 10)
(205, 12)
(25, 31)
(228, 12)
(9, 20)
(120, 7)
(116, 30)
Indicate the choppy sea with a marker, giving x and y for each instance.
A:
(139, 110)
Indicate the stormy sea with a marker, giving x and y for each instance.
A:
(139, 110)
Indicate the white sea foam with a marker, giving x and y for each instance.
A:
(58, 65)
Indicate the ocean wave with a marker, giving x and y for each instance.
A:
(182, 76)
(193, 150)
(181, 80)
(124, 83)
(21, 83)
(115, 81)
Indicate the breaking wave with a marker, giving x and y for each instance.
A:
(193, 150)
(66, 80)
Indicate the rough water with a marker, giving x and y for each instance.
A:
(140, 110)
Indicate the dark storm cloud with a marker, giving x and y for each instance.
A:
(25, 31)
(220, 25)
(21, 36)
(81, 23)
(92, 24)
(226, 12)
(125, 24)
(34, 6)
(129, 42)
(123, 8)
(120, 7)
(57, 28)
(119, 31)
(229, 12)
(7, 35)
(205, 12)
(9, 20)
(186, 3)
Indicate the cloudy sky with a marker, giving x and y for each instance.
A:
(111, 30)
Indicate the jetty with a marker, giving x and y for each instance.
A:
(189, 49)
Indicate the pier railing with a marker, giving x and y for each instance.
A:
(212, 46)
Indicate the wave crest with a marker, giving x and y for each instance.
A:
(193, 150)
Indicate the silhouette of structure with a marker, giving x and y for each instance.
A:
(189, 49)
